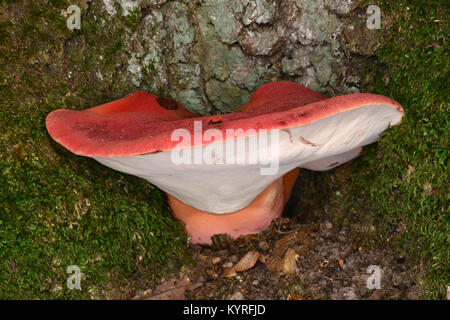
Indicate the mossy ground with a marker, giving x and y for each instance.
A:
(400, 185)
(58, 209)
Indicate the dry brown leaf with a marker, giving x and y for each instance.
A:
(221, 241)
(173, 289)
(208, 260)
(283, 257)
(203, 258)
(213, 274)
(341, 263)
(297, 236)
(262, 259)
(290, 262)
(286, 263)
(215, 260)
(229, 273)
(247, 262)
(274, 262)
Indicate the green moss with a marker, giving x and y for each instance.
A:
(132, 19)
(403, 180)
(58, 209)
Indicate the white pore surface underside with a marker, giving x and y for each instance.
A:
(224, 188)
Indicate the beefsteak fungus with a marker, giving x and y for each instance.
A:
(231, 173)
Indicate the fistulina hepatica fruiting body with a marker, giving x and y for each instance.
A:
(229, 174)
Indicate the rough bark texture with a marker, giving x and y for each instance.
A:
(212, 54)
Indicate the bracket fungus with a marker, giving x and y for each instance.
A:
(231, 173)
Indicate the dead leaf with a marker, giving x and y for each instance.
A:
(294, 296)
(212, 273)
(203, 258)
(341, 263)
(221, 241)
(285, 264)
(262, 259)
(283, 258)
(215, 260)
(247, 262)
(229, 273)
(290, 262)
(173, 289)
(208, 260)
(297, 236)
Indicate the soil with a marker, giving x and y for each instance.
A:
(332, 262)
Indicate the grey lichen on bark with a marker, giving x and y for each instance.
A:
(212, 54)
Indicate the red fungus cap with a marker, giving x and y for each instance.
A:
(143, 123)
